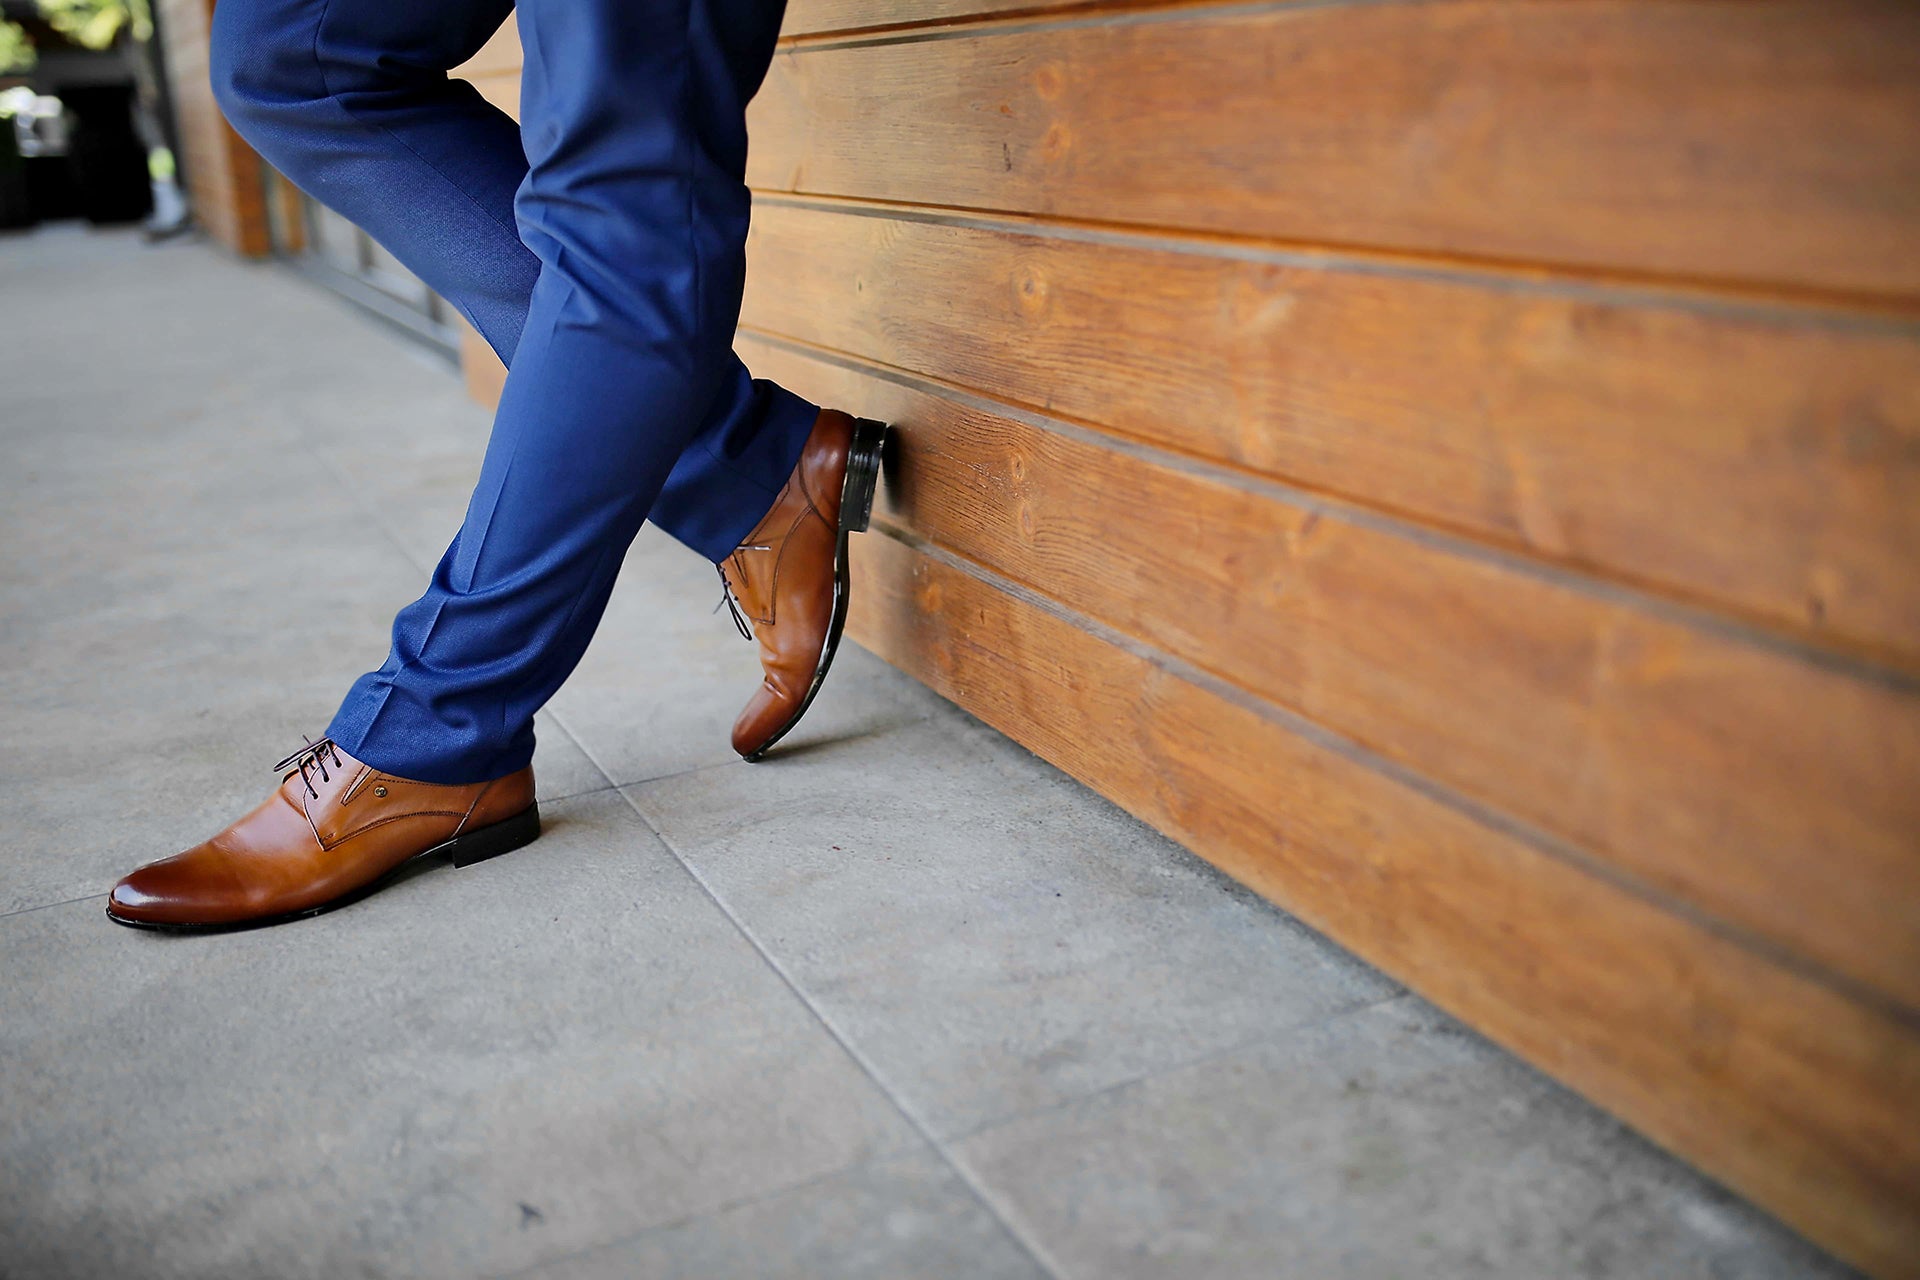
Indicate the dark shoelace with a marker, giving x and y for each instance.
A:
(733, 605)
(312, 756)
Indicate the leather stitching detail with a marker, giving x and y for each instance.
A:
(360, 780)
(478, 796)
(779, 558)
(357, 832)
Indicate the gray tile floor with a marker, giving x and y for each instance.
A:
(902, 1002)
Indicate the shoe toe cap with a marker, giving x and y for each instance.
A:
(761, 720)
(171, 891)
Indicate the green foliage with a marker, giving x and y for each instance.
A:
(16, 48)
(96, 24)
(91, 24)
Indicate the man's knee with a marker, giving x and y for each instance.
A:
(265, 76)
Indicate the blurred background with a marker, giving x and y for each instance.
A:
(89, 124)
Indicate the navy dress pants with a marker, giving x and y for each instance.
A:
(599, 247)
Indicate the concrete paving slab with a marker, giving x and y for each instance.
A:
(895, 1216)
(561, 768)
(1387, 1142)
(471, 1072)
(994, 937)
(406, 450)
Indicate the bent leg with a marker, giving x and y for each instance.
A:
(636, 208)
(351, 100)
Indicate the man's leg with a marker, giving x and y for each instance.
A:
(622, 377)
(351, 101)
(636, 208)
(635, 205)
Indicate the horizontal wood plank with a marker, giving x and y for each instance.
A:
(1770, 141)
(500, 55)
(485, 376)
(1802, 1100)
(1765, 462)
(813, 17)
(1679, 755)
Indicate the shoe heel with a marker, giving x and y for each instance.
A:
(521, 829)
(863, 475)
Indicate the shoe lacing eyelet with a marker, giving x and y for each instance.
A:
(727, 597)
(313, 756)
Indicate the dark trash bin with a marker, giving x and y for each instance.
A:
(106, 161)
(16, 196)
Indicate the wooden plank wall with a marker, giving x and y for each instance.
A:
(223, 176)
(1454, 465)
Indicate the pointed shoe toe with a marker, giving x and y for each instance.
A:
(761, 720)
(172, 891)
(133, 900)
(335, 830)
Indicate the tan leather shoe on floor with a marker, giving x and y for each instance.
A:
(789, 578)
(334, 830)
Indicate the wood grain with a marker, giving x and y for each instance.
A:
(1770, 141)
(1684, 757)
(1762, 461)
(1801, 1099)
(814, 17)
(485, 376)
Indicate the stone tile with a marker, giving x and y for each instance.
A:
(904, 1215)
(473, 1071)
(991, 935)
(410, 460)
(560, 768)
(665, 677)
(1391, 1142)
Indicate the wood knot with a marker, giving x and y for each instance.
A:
(1030, 293)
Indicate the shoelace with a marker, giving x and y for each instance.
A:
(312, 756)
(732, 602)
(733, 607)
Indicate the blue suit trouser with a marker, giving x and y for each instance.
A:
(599, 247)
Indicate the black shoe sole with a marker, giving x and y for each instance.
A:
(517, 832)
(856, 513)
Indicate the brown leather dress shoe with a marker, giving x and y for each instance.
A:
(789, 578)
(334, 830)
